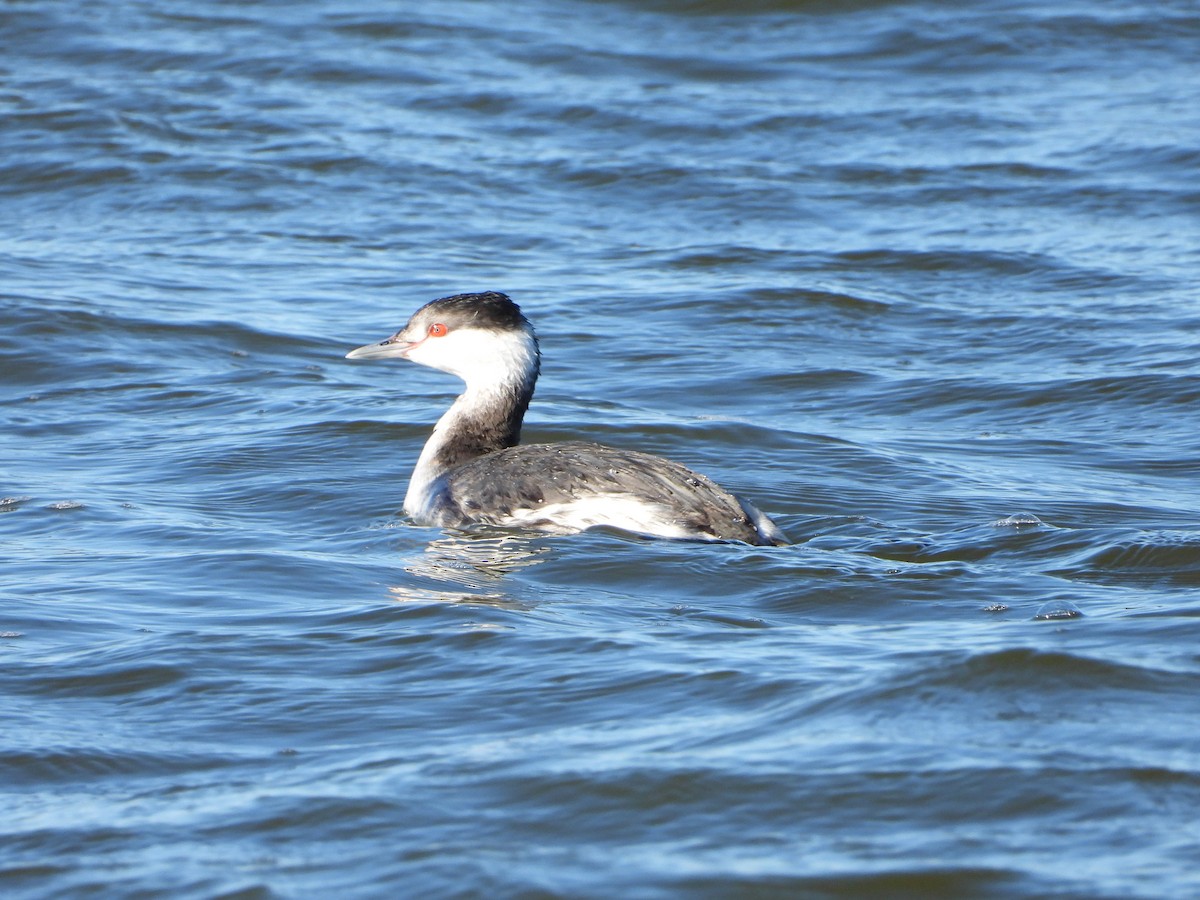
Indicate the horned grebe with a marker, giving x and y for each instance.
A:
(474, 471)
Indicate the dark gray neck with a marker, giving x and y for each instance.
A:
(481, 424)
(485, 418)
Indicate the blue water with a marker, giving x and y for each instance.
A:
(918, 279)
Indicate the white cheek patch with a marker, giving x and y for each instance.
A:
(477, 357)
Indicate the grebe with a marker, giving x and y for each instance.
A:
(473, 469)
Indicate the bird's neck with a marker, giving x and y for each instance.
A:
(486, 417)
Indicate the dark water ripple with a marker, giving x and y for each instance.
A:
(918, 279)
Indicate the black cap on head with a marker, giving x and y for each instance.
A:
(489, 309)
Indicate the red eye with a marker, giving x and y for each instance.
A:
(437, 330)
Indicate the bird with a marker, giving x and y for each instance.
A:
(473, 470)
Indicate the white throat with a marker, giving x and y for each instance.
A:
(499, 370)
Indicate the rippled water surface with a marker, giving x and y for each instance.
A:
(918, 278)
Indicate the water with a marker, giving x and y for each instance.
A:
(918, 279)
